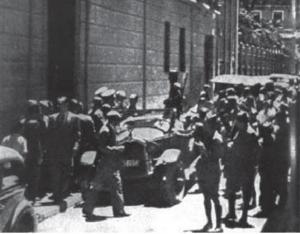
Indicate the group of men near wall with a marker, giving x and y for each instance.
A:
(238, 131)
(52, 139)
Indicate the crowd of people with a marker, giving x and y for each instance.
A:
(52, 138)
(242, 131)
(239, 131)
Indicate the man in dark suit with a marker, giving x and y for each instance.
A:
(64, 133)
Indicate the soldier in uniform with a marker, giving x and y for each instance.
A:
(108, 97)
(120, 99)
(96, 113)
(87, 140)
(99, 91)
(34, 131)
(108, 170)
(282, 162)
(208, 145)
(132, 108)
(267, 198)
(64, 133)
(242, 167)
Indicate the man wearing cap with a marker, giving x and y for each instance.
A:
(108, 97)
(96, 113)
(64, 131)
(267, 141)
(108, 170)
(99, 91)
(120, 99)
(34, 129)
(87, 139)
(282, 161)
(208, 146)
(243, 161)
(132, 108)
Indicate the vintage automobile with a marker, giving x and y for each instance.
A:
(223, 81)
(157, 156)
(16, 213)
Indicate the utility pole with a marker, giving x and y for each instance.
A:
(236, 32)
(294, 22)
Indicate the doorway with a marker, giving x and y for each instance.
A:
(61, 48)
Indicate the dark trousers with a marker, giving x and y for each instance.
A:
(61, 178)
(244, 181)
(114, 183)
(33, 170)
(267, 193)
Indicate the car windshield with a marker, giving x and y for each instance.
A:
(146, 133)
(142, 133)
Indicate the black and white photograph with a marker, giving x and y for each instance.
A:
(150, 116)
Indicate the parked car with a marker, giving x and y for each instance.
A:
(157, 157)
(16, 213)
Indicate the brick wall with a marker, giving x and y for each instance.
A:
(115, 38)
(23, 50)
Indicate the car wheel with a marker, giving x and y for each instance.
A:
(25, 222)
(172, 184)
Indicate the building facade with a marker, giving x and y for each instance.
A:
(72, 47)
(23, 56)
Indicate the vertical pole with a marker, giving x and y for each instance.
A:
(236, 30)
(29, 52)
(145, 56)
(192, 52)
(294, 21)
(86, 51)
(215, 35)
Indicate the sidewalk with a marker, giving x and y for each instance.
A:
(46, 208)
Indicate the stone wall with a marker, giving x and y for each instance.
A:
(23, 56)
(126, 41)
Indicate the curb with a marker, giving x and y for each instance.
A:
(46, 211)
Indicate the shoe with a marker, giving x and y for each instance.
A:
(121, 215)
(244, 224)
(216, 230)
(261, 214)
(230, 217)
(94, 218)
(206, 227)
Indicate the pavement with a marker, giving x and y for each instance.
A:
(188, 216)
(46, 208)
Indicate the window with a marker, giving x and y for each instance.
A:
(182, 50)
(167, 47)
(257, 15)
(277, 16)
(10, 174)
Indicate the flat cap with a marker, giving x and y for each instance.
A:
(242, 117)
(121, 94)
(108, 93)
(106, 106)
(177, 85)
(207, 86)
(32, 103)
(114, 114)
(62, 100)
(133, 96)
(45, 103)
(99, 91)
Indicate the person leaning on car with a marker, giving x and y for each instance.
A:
(108, 170)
